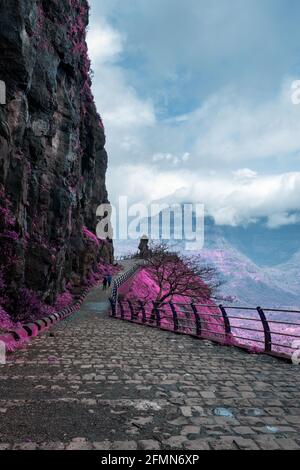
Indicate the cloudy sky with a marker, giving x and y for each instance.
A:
(195, 96)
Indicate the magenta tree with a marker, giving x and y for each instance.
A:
(179, 275)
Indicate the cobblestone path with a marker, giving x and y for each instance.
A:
(99, 383)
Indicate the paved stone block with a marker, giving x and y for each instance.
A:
(102, 445)
(25, 446)
(198, 444)
(267, 443)
(175, 442)
(5, 447)
(79, 443)
(149, 445)
(186, 430)
(243, 430)
(288, 444)
(124, 445)
(52, 446)
(246, 444)
(186, 411)
(224, 443)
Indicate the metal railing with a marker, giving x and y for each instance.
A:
(120, 280)
(126, 257)
(260, 330)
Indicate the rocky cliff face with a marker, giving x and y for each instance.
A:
(52, 156)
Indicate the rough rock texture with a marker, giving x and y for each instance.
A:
(52, 156)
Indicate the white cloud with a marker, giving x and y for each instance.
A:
(105, 43)
(230, 201)
(244, 174)
(284, 218)
(232, 130)
(184, 158)
(142, 184)
(118, 102)
(175, 160)
(236, 202)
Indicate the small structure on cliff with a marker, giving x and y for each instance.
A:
(144, 247)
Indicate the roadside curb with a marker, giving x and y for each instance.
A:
(18, 337)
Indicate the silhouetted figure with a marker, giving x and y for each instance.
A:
(105, 283)
(109, 280)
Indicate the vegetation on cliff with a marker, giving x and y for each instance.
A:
(52, 157)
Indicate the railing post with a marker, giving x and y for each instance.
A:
(157, 314)
(267, 331)
(226, 320)
(113, 308)
(144, 317)
(131, 310)
(122, 310)
(197, 319)
(175, 316)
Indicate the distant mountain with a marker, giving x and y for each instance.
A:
(250, 284)
(264, 246)
(288, 273)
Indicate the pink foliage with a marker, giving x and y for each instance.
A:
(90, 236)
(283, 335)
(11, 344)
(5, 321)
(5, 214)
(27, 306)
(63, 300)
(10, 235)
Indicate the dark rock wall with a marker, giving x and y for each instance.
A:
(52, 156)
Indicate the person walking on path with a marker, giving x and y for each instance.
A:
(105, 283)
(109, 280)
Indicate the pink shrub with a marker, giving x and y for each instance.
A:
(12, 345)
(90, 236)
(10, 235)
(63, 300)
(27, 306)
(5, 321)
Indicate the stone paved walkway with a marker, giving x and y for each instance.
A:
(99, 383)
